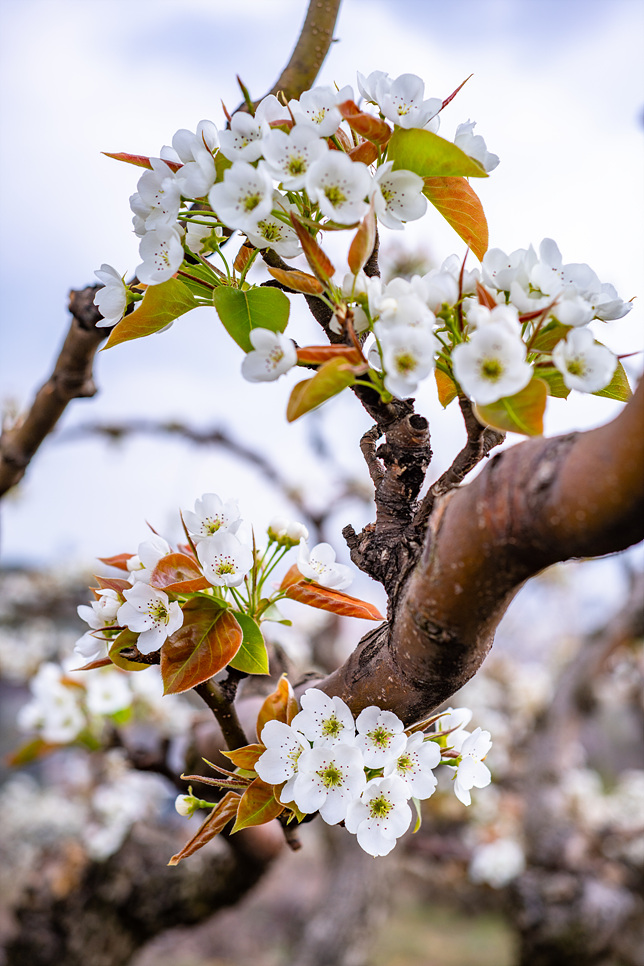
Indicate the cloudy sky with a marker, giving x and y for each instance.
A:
(556, 92)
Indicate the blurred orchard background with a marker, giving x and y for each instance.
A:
(556, 93)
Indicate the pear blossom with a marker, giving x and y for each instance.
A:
(198, 173)
(225, 559)
(402, 303)
(272, 355)
(319, 564)
(455, 720)
(407, 357)
(399, 196)
(471, 772)
(375, 86)
(148, 554)
(492, 364)
(403, 102)
(148, 613)
(100, 614)
(380, 816)
(108, 691)
(244, 197)
(319, 108)
(441, 288)
(381, 736)
(584, 364)
(272, 112)
(203, 239)
(272, 232)
(289, 156)
(506, 316)
(160, 191)
(324, 719)
(339, 185)
(243, 140)
(111, 300)
(414, 766)
(188, 145)
(497, 862)
(210, 516)
(474, 145)
(55, 710)
(287, 532)
(328, 779)
(162, 252)
(279, 763)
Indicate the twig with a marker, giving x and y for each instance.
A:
(225, 713)
(311, 49)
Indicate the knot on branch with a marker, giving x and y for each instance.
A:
(81, 305)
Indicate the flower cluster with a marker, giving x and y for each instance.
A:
(282, 174)
(212, 590)
(363, 772)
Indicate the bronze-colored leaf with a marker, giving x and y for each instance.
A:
(258, 806)
(297, 587)
(223, 813)
(208, 639)
(279, 705)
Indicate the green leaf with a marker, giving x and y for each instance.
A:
(461, 208)
(258, 805)
(257, 308)
(32, 750)
(521, 413)
(618, 388)
(126, 639)
(161, 305)
(252, 656)
(555, 383)
(549, 336)
(330, 379)
(208, 639)
(431, 156)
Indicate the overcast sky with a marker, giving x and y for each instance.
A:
(556, 92)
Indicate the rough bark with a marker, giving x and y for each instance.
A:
(541, 502)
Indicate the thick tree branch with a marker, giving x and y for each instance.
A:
(543, 501)
(71, 379)
(311, 49)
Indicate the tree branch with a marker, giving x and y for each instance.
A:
(543, 501)
(311, 49)
(71, 379)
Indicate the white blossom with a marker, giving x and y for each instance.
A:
(243, 140)
(403, 102)
(272, 232)
(319, 108)
(148, 613)
(407, 357)
(414, 766)
(380, 816)
(272, 355)
(108, 691)
(162, 254)
(324, 719)
(340, 186)
(111, 300)
(399, 196)
(381, 736)
(492, 364)
(289, 156)
(55, 709)
(328, 779)
(584, 364)
(244, 197)
(159, 190)
(225, 559)
(279, 763)
(149, 553)
(319, 564)
(497, 863)
(211, 515)
(474, 145)
(471, 772)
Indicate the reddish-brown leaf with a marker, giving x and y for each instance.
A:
(366, 151)
(485, 297)
(297, 587)
(298, 281)
(363, 242)
(366, 125)
(223, 813)
(461, 208)
(243, 257)
(454, 93)
(280, 705)
(247, 756)
(31, 751)
(119, 584)
(258, 806)
(178, 574)
(317, 355)
(140, 160)
(208, 639)
(118, 560)
(102, 662)
(320, 264)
